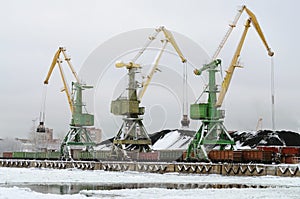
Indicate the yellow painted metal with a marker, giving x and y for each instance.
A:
(66, 89)
(233, 25)
(233, 65)
(57, 60)
(171, 39)
(153, 70)
(127, 65)
(54, 61)
(234, 62)
(259, 31)
(68, 59)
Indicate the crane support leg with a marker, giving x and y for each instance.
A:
(208, 137)
(132, 135)
(77, 136)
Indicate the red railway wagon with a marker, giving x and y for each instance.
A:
(225, 156)
(7, 154)
(237, 156)
(257, 156)
(290, 151)
(274, 149)
(150, 156)
(291, 160)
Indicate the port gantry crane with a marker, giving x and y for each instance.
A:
(212, 132)
(78, 134)
(132, 134)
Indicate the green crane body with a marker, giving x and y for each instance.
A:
(212, 132)
(78, 134)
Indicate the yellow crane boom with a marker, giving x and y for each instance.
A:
(233, 25)
(153, 70)
(57, 60)
(258, 30)
(169, 39)
(225, 84)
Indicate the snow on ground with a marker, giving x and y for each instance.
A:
(201, 193)
(15, 192)
(157, 193)
(13, 181)
(238, 146)
(172, 140)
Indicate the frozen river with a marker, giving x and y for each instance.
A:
(74, 183)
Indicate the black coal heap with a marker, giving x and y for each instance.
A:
(267, 138)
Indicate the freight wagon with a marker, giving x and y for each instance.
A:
(171, 155)
(32, 155)
(241, 156)
(263, 154)
(257, 156)
(283, 154)
(225, 156)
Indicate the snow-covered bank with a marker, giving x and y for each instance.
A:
(291, 193)
(15, 178)
(15, 192)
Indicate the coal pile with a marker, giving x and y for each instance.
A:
(266, 138)
(243, 139)
(163, 136)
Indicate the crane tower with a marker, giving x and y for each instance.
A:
(78, 135)
(212, 132)
(132, 134)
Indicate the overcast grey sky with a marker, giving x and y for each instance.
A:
(31, 32)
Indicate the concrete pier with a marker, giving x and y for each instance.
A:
(234, 169)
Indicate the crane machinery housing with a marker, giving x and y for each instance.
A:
(212, 131)
(78, 134)
(132, 134)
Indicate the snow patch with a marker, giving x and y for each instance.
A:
(173, 140)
